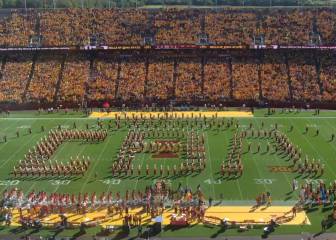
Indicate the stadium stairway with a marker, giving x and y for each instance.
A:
(289, 81)
(3, 63)
(60, 78)
(30, 77)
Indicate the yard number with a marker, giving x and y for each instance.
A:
(212, 181)
(59, 182)
(9, 183)
(313, 181)
(112, 181)
(263, 181)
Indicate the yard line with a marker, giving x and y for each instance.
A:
(95, 164)
(210, 161)
(4, 144)
(239, 189)
(258, 171)
(316, 151)
(277, 159)
(136, 184)
(62, 149)
(17, 151)
(332, 145)
(109, 185)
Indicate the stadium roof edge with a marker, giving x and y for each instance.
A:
(149, 7)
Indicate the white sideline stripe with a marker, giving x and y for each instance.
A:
(210, 163)
(285, 175)
(18, 150)
(318, 153)
(93, 168)
(87, 118)
(332, 145)
(4, 130)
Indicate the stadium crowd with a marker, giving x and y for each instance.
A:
(14, 77)
(72, 78)
(241, 75)
(73, 27)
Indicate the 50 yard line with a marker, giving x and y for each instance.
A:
(210, 163)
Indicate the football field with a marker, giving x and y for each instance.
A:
(264, 170)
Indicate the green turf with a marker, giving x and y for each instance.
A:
(256, 178)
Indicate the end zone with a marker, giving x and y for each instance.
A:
(173, 114)
(238, 215)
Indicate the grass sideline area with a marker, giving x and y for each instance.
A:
(241, 191)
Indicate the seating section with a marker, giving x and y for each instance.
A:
(177, 27)
(74, 78)
(328, 77)
(287, 27)
(303, 78)
(160, 83)
(102, 85)
(150, 75)
(274, 79)
(245, 78)
(232, 28)
(14, 77)
(132, 80)
(188, 82)
(75, 27)
(16, 29)
(216, 80)
(42, 87)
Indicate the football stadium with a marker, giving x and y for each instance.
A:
(167, 119)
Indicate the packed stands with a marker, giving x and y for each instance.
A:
(303, 78)
(150, 75)
(74, 27)
(188, 82)
(328, 76)
(160, 85)
(177, 26)
(43, 84)
(69, 27)
(297, 76)
(15, 75)
(246, 83)
(287, 27)
(230, 28)
(216, 80)
(131, 85)
(326, 19)
(74, 78)
(16, 30)
(112, 29)
(102, 85)
(274, 79)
